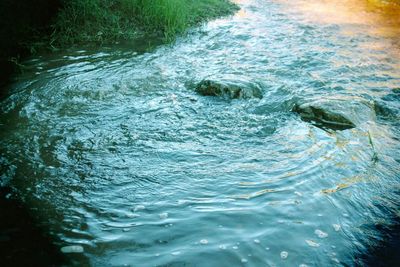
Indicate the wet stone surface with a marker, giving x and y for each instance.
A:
(230, 89)
(337, 113)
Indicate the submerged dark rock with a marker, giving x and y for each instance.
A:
(339, 113)
(229, 89)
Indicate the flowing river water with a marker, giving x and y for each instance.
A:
(115, 153)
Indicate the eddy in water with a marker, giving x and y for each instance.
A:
(270, 138)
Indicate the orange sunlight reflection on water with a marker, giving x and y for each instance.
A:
(376, 17)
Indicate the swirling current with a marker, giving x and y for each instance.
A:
(115, 152)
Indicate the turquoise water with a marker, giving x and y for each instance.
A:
(115, 152)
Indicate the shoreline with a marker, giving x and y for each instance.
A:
(57, 25)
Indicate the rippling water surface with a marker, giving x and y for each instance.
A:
(114, 151)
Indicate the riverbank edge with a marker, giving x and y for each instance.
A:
(98, 22)
(48, 26)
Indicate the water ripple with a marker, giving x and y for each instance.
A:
(116, 152)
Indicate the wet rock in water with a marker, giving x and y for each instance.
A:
(229, 89)
(338, 113)
(72, 249)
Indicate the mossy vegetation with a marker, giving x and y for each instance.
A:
(107, 21)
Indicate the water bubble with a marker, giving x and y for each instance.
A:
(336, 227)
(173, 97)
(163, 215)
(175, 253)
(139, 207)
(204, 241)
(298, 193)
(222, 247)
(132, 215)
(244, 260)
(256, 241)
(235, 247)
(267, 248)
(72, 249)
(312, 243)
(284, 255)
(303, 265)
(321, 234)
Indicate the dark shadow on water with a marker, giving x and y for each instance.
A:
(387, 252)
(22, 242)
(384, 248)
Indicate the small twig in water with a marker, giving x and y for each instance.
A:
(375, 155)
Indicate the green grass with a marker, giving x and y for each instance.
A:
(166, 16)
(82, 21)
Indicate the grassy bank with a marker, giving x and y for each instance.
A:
(106, 21)
(26, 26)
(22, 23)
